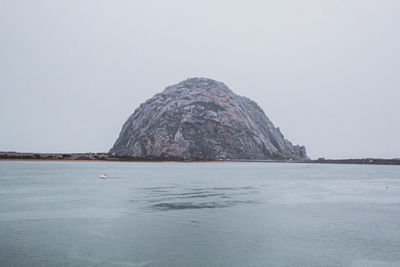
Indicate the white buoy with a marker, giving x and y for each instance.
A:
(103, 176)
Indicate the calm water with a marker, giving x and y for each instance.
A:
(181, 214)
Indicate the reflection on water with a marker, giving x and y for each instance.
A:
(175, 214)
(198, 198)
(183, 205)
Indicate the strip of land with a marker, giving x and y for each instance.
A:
(113, 157)
(373, 161)
(55, 156)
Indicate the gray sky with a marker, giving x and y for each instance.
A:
(326, 72)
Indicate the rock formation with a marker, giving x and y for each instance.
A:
(202, 119)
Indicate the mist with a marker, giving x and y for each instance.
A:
(325, 72)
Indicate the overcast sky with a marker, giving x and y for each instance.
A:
(326, 72)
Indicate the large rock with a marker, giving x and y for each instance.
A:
(202, 119)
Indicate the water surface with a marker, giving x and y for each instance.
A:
(198, 214)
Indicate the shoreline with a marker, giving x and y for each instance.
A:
(106, 157)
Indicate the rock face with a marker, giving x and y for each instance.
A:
(202, 119)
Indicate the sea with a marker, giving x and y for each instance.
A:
(55, 213)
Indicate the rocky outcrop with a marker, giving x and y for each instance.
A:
(202, 119)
